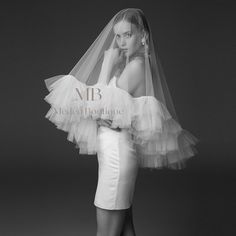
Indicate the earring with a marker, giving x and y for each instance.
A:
(143, 41)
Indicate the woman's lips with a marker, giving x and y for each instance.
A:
(124, 52)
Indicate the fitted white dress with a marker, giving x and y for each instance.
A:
(117, 167)
(149, 136)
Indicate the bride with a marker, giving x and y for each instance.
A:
(114, 217)
(145, 133)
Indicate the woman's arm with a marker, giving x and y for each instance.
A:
(111, 57)
(105, 71)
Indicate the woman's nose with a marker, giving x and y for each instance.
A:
(122, 42)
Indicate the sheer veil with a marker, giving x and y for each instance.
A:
(161, 141)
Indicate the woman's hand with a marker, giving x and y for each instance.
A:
(106, 123)
(113, 55)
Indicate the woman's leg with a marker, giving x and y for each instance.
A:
(110, 222)
(128, 227)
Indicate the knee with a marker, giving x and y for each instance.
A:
(109, 222)
(128, 228)
(99, 234)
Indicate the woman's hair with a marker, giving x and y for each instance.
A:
(136, 17)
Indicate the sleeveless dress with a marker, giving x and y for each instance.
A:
(148, 138)
(117, 167)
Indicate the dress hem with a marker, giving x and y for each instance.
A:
(106, 208)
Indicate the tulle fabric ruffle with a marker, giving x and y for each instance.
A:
(112, 103)
(67, 112)
(160, 141)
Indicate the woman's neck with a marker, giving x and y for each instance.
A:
(119, 67)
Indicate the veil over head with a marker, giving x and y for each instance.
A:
(166, 146)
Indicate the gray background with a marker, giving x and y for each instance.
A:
(45, 190)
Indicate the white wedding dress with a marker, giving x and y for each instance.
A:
(117, 167)
(149, 136)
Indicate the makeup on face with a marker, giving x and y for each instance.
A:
(127, 37)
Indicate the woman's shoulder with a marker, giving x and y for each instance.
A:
(134, 68)
(137, 58)
(136, 64)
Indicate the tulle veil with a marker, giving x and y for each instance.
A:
(151, 117)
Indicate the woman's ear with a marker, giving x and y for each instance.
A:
(143, 36)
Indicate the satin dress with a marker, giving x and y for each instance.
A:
(117, 168)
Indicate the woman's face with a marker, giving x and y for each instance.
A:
(128, 38)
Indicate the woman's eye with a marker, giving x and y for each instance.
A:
(128, 35)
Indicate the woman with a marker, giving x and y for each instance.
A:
(113, 221)
(139, 128)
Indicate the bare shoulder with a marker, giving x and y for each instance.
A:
(135, 69)
(132, 74)
(136, 64)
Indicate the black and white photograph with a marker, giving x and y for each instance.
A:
(118, 118)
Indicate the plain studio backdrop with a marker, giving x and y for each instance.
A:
(47, 189)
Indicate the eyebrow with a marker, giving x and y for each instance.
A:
(129, 31)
